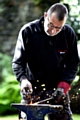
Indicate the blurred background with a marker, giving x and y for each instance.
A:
(13, 15)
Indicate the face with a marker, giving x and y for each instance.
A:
(52, 26)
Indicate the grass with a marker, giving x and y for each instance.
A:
(76, 117)
(9, 117)
(15, 117)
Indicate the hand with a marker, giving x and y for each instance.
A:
(65, 86)
(25, 83)
(58, 94)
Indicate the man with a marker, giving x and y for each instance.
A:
(46, 51)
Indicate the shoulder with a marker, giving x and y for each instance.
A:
(68, 29)
(33, 25)
(69, 35)
(26, 28)
(29, 25)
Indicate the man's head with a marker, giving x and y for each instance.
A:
(55, 18)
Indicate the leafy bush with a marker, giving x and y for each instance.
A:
(9, 87)
(75, 95)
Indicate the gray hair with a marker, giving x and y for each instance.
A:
(60, 10)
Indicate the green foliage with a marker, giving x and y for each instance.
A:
(9, 87)
(75, 95)
(9, 90)
(74, 15)
(37, 1)
(5, 63)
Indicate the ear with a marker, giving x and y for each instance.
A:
(45, 14)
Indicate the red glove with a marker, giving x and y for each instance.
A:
(64, 85)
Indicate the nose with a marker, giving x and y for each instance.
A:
(53, 30)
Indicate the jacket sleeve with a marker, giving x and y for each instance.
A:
(71, 61)
(20, 55)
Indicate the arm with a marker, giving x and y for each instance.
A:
(71, 64)
(20, 59)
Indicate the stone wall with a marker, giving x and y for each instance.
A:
(14, 16)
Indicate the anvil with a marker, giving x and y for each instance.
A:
(37, 111)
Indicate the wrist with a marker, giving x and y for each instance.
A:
(23, 78)
(65, 86)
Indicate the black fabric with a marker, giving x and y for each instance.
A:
(42, 57)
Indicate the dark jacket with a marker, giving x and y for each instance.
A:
(41, 57)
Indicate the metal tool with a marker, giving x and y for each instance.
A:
(37, 111)
(42, 101)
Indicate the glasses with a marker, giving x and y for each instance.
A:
(50, 25)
